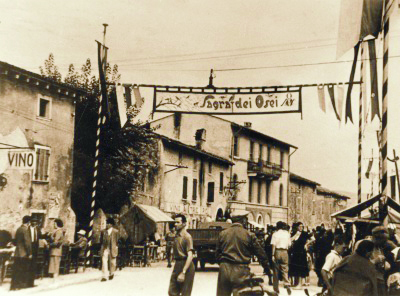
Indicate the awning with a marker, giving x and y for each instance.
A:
(239, 212)
(255, 224)
(155, 214)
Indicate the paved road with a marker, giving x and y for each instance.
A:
(150, 281)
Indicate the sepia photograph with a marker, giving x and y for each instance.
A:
(182, 147)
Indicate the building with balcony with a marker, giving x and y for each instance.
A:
(258, 181)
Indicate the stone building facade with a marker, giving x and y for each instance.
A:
(258, 181)
(312, 204)
(36, 141)
(190, 180)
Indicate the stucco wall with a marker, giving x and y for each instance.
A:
(21, 195)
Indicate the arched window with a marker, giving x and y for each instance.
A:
(281, 195)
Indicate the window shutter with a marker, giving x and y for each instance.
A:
(194, 197)
(185, 185)
(210, 196)
(221, 182)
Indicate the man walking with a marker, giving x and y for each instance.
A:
(109, 249)
(280, 245)
(182, 277)
(21, 277)
(236, 246)
(169, 238)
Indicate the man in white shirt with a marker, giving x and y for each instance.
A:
(331, 261)
(280, 244)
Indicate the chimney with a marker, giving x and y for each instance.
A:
(247, 124)
(200, 137)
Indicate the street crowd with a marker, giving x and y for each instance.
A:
(348, 259)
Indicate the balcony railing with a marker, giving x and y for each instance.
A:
(265, 168)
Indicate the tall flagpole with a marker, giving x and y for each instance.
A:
(360, 120)
(385, 98)
(100, 121)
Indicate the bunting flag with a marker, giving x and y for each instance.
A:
(340, 98)
(128, 97)
(371, 161)
(138, 97)
(331, 91)
(363, 75)
(321, 97)
(122, 106)
(374, 80)
(350, 88)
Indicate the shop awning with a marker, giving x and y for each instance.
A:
(155, 214)
(255, 224)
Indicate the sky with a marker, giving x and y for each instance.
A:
(177, 42)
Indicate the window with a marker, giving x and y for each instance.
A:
(195, 163)
(185, 188)
(281, 195)
(42, 163)
(313, 207)
(194, 196)
(210, 167)
(267, 185)
(282, 158)
(210, 195)
(251, 150)
(44, 108)
(221, 182)
(260, 156)
(269, 153)
(250, 189)
(259, 192)
(236, 146)
(180, 158)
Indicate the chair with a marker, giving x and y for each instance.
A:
(138, 255)
(65, 262)
(95, 259)
(42, 263)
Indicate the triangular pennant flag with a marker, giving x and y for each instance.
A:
(121, 105)
(138, 97)
(321, 97)
(340, 98)
(374, 80)
(128, 97)
(331, 92)
(349, 89)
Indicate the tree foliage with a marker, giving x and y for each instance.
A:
(127, 154)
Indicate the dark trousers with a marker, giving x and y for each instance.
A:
(168, 253)
(22, 273)
(231, 277)
(181, 289)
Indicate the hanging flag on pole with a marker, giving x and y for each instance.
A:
(350, 88)
(321, 97)
(374, 80)
(122, 106)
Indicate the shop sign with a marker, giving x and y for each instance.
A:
(21, 159)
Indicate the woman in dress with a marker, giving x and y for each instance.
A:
(56, 242)
(298, 265)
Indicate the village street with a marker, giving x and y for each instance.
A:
(150, 281)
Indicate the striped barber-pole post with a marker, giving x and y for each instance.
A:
(384, 131)
(360, 120)
(100, 122)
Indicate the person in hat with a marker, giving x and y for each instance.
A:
(36, 235)
(81, 243)
(109, 249)
(382, 256)
(57, 240)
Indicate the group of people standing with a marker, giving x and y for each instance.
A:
(27, 239)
